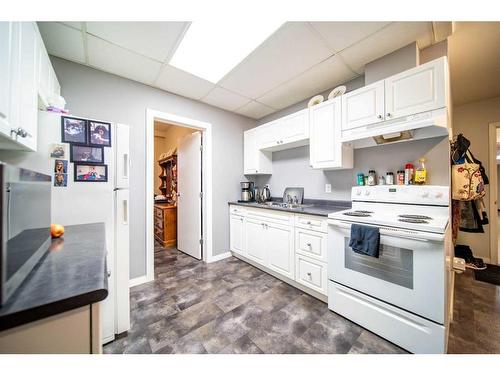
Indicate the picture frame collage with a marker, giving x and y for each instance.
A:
(87, 139)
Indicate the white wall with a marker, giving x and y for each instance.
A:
(93, 93)
(473, 120)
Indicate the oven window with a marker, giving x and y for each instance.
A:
(394, 264)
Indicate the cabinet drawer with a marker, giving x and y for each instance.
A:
(311, 222)
(159, 232)
(311, 243)
(158, 222)
(272, 216)
(237, 210)
(158, 213)
(311, 273)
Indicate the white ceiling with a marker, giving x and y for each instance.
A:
(474, 61)
(298, 61)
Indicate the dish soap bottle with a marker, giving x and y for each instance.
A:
(421, 173)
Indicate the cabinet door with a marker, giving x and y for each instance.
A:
(295, 127)
(236, 234)
(5, 75)
(270, 134)
(249, 152)
(363, 106)
(256, 241)
(44, 71)
(417, 90)
(280, 249)
(325, 146)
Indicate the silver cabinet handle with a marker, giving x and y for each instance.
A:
(388, 114)
(3, 115)
(309, 223)
(20, 132)
(379, 117)
(109, 273)
(309, 274)
(308, 245)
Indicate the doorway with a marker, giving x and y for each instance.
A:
(494, 174)
(178, 187)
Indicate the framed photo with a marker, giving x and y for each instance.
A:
(99, 134)
(60, 166)
(86, 154)
(58, 151)
(91, 173)
(73, 130)
(60, 179)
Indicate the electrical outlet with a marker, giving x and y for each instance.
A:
(328, 188)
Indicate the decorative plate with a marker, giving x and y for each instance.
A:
(315, 100)
(337, 91)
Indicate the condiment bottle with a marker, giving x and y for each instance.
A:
(360, 179)
(381, 180)
(372, 178)
(401, 177)
(389, 178)
(421, 173)
(409, 174)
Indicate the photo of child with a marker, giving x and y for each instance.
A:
(60, 179)
(59, 151)
(100, 133)
(87, 154)
(74, 130)
(60, 166)
(91, 173)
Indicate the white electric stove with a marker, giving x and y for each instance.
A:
(401, 294)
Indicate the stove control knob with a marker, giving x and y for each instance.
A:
(358, 192)
(367, 192)
(439, 195)
(425, 194)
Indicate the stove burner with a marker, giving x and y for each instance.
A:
(416, 217)
(357, 213)
(414, 221)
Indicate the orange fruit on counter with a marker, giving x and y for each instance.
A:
(56, 230)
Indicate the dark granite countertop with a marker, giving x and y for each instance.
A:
(318, 207)
(72, 274)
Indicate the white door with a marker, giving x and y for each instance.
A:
(5, 73)
(417, 90)
(256, 241)
(122, 248)
(236, 234)
(122, 164)
(189, 195)
(325, 146)
(295, 127)
(363, 106)
(280, 249)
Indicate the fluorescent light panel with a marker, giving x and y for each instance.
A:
(211, 49)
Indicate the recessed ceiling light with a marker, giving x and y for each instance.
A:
(210, 49)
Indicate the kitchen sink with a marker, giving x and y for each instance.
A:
(284, 205)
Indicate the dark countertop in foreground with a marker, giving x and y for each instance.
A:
(72, 274)
(318, 207)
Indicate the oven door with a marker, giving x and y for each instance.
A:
(409, 272)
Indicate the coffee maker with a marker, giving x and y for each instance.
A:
(247, 191)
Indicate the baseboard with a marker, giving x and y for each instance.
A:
(218, 257)
(138, 281)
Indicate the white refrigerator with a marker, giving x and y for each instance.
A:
(91, 202)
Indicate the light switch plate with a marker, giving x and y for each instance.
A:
(328, 188)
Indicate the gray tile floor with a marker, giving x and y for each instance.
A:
(476, 323)
(232, 307)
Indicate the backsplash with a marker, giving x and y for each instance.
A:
(291, 168)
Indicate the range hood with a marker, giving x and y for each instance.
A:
(419, 126)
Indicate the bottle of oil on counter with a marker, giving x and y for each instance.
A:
(421, 173)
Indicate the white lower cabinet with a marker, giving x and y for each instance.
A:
(237, 234)
(280, 251)
(283, 243)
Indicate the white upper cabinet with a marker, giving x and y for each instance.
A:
(417, 90)
(5, 73)
(364, 106)
(326, 149)
(286, 132)
(255, 161)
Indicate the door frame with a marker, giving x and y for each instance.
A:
(206, 128)
(493, 204)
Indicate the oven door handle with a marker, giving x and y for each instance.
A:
(395, 232)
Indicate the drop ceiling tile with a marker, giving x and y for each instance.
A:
(291, 50)
(75, 25)
(153, 39)
(220, 97)
(340, 35)
(62, 41)
(387, 40)
(328, 74)
(180, 82)
(113, 59)
(255, 110)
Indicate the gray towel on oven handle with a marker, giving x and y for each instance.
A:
(365, 240)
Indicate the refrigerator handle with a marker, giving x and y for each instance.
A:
(125, 211)
(126, 162)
